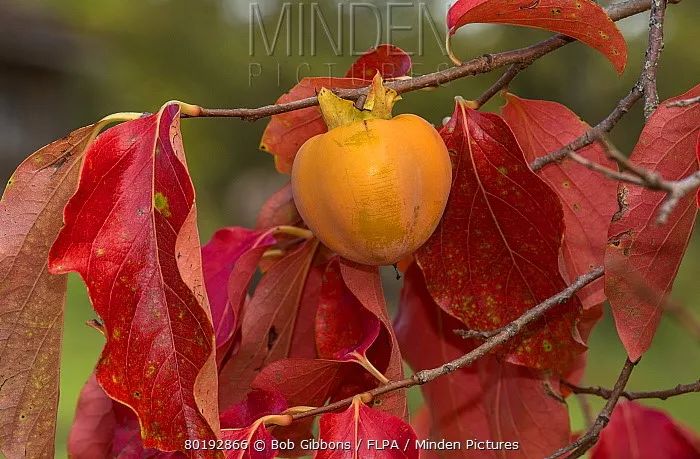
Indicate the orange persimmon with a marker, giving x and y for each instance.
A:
(373, 188)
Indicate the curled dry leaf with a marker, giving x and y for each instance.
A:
(642, 257)
(588, 198)
(490, 400)
(365, 432)
(638, 432)
(495, 253)
(583, 20)
(130, 233)
(31, 300)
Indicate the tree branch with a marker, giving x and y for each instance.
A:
(680, 389)
(595, 133)
(685, 103)
(479, 65)
(501, 83)
(579, 447)
(651, 61)
(505, 334)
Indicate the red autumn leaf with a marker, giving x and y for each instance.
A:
(583, 20)
(344, 328)
(697, 154)
(258, 403)
(105, 428)
(638, 432)
(279, 209)
(495, 253)
(588, 198)
(368, 432)
(642, 257)
(422, 424)
(219, 256)
(302, 382)
(490, 400)
(303, 344)
(267, 323)
(31, 300)
(252, 442)
(365, 284)
(286, 132)
(130, 233)
(92, 432)
(389, 60)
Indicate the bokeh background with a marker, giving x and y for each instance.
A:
(67, 63)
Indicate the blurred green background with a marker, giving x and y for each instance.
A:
(67, 63)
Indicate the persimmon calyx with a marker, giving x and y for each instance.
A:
(338, 112)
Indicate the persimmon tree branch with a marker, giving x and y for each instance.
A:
(685, 102)
(680, 389)
(500, 84)
(579, 447)
(651, 61)
(504, 335)
(645, 86)
(483, 64)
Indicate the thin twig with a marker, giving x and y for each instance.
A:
(680, 389)
(679, 189)
(506, 333)
(579, 447)
(651, 60)
(685, 102)
(500, 84)
(479, 65)
(595, 133)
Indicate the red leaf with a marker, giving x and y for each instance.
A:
(302, 382)
(365, 283)
(31, 300)
(92, 432)
(368, 433)
(288, 131)
(638, 432)
(105, 428)
(389, 60)
(495, 254)
(253, 442)
(130, 233)
(219, 257)
(588, 198)
(642, 257)
(279, 209)
(344, 328)
(303, 344)
(267, 323)
(583, 20)
(490, 400)
(258, 403)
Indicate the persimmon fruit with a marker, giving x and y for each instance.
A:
(373, 188)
